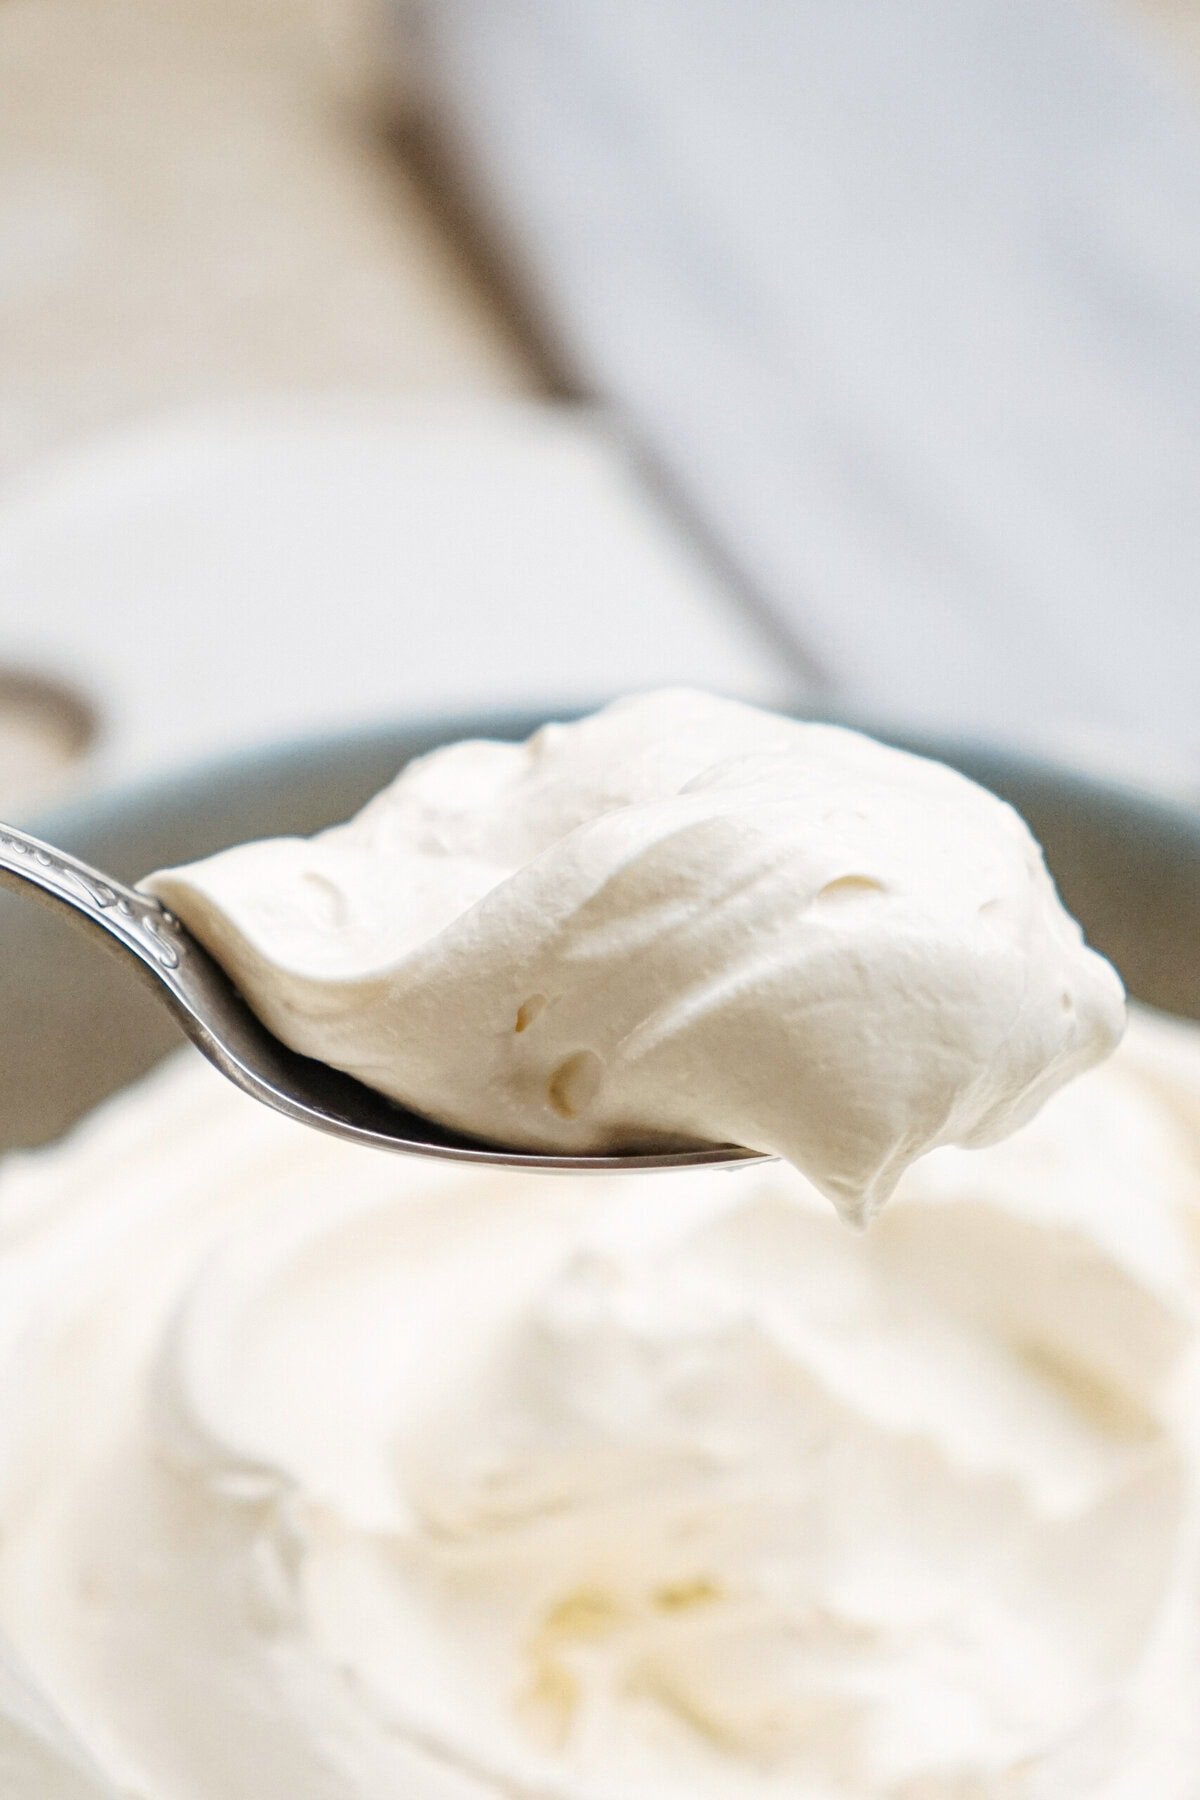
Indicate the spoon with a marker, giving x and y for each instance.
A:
(216, 1018)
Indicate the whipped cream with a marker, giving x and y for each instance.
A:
(324, 1476)
(681, 919)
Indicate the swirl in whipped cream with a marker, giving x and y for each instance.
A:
(327, 1477)
(679, 920)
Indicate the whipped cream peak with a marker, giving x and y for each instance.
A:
(681, 919)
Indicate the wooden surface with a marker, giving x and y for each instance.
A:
(197, 200)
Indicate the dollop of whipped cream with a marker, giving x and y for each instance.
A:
(329, 1477)
(679, 920)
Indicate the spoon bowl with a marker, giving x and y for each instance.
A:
(211, 1012)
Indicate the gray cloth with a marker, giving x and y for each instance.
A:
(905, 300)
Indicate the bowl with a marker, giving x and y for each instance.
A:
(74, 1028)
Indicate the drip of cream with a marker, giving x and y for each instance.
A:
(679, 920)
(328, 1477)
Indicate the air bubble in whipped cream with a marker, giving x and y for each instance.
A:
(575, 1084)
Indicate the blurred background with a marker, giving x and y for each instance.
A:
(363, 359)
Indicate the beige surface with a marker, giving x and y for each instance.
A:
(1179, 22)
(196, 200)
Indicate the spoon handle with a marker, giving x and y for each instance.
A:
(141, 926)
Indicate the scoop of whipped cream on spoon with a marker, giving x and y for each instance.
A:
(678, 924)
(219, 1022)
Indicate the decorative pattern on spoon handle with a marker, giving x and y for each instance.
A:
(141, 922)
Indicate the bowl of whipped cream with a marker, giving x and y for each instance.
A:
(333, 1475)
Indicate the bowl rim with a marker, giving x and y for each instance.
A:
(988, 761)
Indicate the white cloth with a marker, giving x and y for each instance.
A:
(249, 573)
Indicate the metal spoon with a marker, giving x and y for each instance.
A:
(216, 1018)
